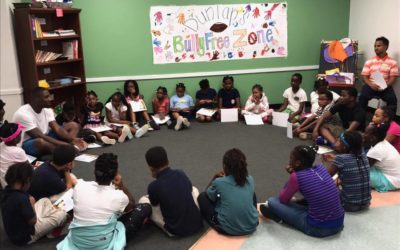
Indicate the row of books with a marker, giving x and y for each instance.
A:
(46, 56)
(38, 33)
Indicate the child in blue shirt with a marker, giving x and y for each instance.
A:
(181, 106)
(228, 96)
(229, 203)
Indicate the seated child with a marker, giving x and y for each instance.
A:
(97, 206)
(53, 178)
(206, 98)
(383, 159)
(10, 135)
(229, 204)
(26, 220)
(320, 85)
(172, 197)
(118, 111)
(181, 107)
(68, 120)
(91, 117)
(325, 102)
(257, 103)
(295, 98)
(228, 96)
(385, 115)
(132, 94)
(323, 215)
(161, 104)
(353, 168)
(351, 114)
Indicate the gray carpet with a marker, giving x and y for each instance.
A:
(198, 151)
(377, 228)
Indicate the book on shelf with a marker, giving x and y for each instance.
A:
(70, 49)
(46, 56)
(62, 32)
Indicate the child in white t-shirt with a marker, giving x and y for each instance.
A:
(10, 135)
(320, 86)
(295, 98)
(118, 116)
(383, 159)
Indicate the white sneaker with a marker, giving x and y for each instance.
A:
(141, 131)
(178, 125)
(107, 140)
(186, 122)
(124, 133)
(136, 125)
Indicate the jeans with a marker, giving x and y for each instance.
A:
(388, 95)
(296, 215)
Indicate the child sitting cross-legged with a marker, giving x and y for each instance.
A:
(385, 115)
(172, 197)
(383, 159)
(229, 204)
(25, 219)
(257, 103)
(181, 107)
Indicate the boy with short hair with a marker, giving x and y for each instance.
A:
(54, 177)
(172, 196)
(351, 114)
(295, 98)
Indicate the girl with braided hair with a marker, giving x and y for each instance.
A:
(321, 213)
(229, 204)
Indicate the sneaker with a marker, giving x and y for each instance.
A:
(136, 126)
(141, 131)
(107, 140)
(186, 122)
(178, 125)
(154, 125)
(267, 213)
(125, 131)
(320, 141)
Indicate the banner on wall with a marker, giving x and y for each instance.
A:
(199, 33)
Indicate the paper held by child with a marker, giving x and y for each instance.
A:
(280, 119)
(253, 120)
(379, 80)
(86, 157)
(65, 202)
(206, 112)
(157, 119)
(229, 115)
(289, 130)
(31, 158)
(323, 150)
(93, 145)
(138, 106)
(100, 128)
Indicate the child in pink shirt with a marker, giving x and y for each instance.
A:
(385, 115)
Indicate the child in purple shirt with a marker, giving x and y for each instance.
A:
(323, 214)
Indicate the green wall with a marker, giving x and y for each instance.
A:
(117, 42)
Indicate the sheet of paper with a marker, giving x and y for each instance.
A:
(66, 202)
(253, 120)
(206, 112)
(229, 115)
(86, 157)
(157, 120)
(323, 150)
(138, 106)
(280, 119)
(379, 80)
(117, 124)
(289, 130)
(31, 158)
(93, 145)
(100, 128)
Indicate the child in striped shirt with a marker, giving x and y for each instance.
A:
(323, 214)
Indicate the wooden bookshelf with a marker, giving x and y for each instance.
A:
(28, 43)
